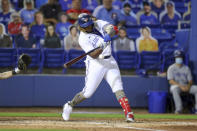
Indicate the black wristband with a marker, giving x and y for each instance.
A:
(13, 72)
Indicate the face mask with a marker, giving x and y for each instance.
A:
(179, 60)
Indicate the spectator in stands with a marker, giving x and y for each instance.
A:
(136, 5)
(38, 28)
(14, 4)
(146, 42)
(65, 4)
(76, 9)
(146, 16)
(51, 40)
(170, 16)
(108, 13)
(71, 41)
(51, 11)
(25, 40)
(158, 6)
(180, 80)
(187, 15)
(129, 17)
(123, 42)
(27, 13)
(14, 27)
(91, 5)
(62, 27)
(5, 40)
(6, 12)
(117, 4)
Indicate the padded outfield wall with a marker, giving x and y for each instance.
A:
(55, 90)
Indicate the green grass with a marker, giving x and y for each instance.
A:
(36, 130)
(141, 116)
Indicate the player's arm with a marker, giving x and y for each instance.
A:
(173, 82)
(96, 53)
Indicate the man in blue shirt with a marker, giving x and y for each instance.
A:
(27, 13)
(136, 5)
(62, 27)
(129, 17)
(108, 13)
(38, 29)
(5, 14)
(146, 16)
(158, 6)
(170, 16)
(87, 4)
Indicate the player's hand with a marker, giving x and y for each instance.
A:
(107, 38)
(184, 88)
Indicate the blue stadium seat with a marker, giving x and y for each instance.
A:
(150, 60)
(185, 26)
(36, 56)
(127, 59)
(161, 34)
(168, 45)
(133, 32)
(183, 38)
(136, 9)
(181, 7)
(170, 28)
(54, 58)
(8, 57)
(152, 26)
(73, 53)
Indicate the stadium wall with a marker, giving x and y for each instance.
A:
(193, 39)
(55, 90)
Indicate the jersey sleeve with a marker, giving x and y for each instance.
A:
(170, 75)
(101, 24)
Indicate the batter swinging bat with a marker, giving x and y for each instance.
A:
(69, 63)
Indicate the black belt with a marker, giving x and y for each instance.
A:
(106, 57)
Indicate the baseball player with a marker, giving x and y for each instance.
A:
(23, 61)
(99, 64)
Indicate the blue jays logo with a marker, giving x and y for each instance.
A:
(85, 19)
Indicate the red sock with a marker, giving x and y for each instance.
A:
(125, 106)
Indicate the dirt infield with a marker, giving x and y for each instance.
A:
(92, 124)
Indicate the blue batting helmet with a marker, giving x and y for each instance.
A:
(178, 53)
(84, 20)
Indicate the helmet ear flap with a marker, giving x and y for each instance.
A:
(82, 29)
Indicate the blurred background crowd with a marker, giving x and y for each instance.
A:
(144, 24)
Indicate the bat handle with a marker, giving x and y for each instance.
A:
(65, 66)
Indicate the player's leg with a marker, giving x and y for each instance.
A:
(94, 75)
(113, 77)
(175, 90)
(193, 90)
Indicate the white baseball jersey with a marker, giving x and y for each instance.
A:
(89, 41)
(97, 69)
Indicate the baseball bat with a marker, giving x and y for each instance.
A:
(69, 63)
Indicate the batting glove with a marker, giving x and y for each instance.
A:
(107, 38)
